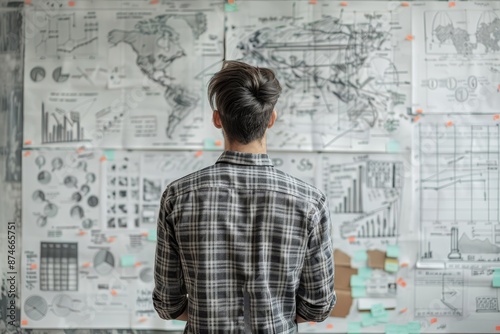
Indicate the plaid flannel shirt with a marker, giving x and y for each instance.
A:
(245, 247)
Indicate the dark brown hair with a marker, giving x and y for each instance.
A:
(245, 97)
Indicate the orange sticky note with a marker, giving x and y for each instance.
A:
(343, 3)
(351, 239)
(28, 2)
(419, 111)
(405, 4)
(497, 328)
(114, 292)
(449, 123)
(27, 153)
(154, 2)
(24, 322)
(82, 233)
(404, 310)
(329, 326)
(28, 142)
(451, 4)
(410, 37)
(312, 323)
(496, 117)
(313, 2)
(498, 88)
(103, 158)
(218, 143)
(34, 266)
(142, 319)
(80, 149)
(71, 3)
(404, 264)
(401, 282)
(144, 234)
(434, 320)
(137, 264)
(198, 154)
(111, 239)
(86, 264)
(416, 119)
(230, 2)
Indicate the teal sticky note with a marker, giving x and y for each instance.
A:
(109, 154)
(413, 327)
(127, 261)
(392, 251)
(354, 328)
(496, 278)
(367, 320)
(230, 7)
(377, 310)
(357, 281)
(152, 235)
(365, 272)
(178, 322)
(358, 291)
(396, 329)
(391, 265)
(360, 256)
(209, 144)
(393, 146)
(384, 318)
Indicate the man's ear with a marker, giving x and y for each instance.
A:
(273, 118)
(216, 119)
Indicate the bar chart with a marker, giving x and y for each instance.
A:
(59, 127)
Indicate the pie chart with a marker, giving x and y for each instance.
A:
(104, 262)
(35, 307)
(58, 76)
(62, 305)
(37, 74)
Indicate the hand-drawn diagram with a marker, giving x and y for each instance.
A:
(365, 196)
(136, 79)
(343, 86)
(459, 69)
(459, 192)
(59, 266)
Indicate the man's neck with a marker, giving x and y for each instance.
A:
(255, 147)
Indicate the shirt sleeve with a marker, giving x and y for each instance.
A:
(316, 295)
(169, 294)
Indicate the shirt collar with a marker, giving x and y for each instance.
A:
(249, 159)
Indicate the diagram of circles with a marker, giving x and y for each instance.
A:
(76, 212)
(70, 181)
(85, 189)
(77, 197)
(37, 74)
(40, 161)
(58, 76)
(62, 305)
(57, 164)
(90, 177)
(93, 201)
(50, 210)
(146, 275)
(87, 224)
(38, 196)
(104, 262)
(35, 307)
(44, 177)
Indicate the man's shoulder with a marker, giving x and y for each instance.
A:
(189, 181)
(299, 187)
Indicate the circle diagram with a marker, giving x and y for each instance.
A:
(58, 76)
(62, 305)
(37, 74)
(35, 307)
(44, 177)
(104, 262)
(146, 275)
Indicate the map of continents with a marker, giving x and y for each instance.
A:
(157, 46)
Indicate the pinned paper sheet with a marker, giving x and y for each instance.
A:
(109, 154)
(396, 329)
(378, 310)
(358, 291)
(368, 320)
(152, 235)
(127, 261)
(392, 251)
(230, 7)
(393, 146)
(357, 281)
(354, 328)
(364, 272)
(391, 265)
(360, 256)
(496, 279)
(414, 327)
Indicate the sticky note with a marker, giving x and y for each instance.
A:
(109, 154)
(329, 326)
(396, 329)
(360, 256)
(24, 322)
(230, 7)
(451, 4)
(357, 281)
(114, 292)
(496, 278)
(127, 261)
(344, 3)
(496, 117)
(368, 320)
(393, 146)
(384, 318)
(71, 3)
(198, 154)
(377, 310)
(391, 265)
(365, 272)
(410, 37)
(416, 119)
(313, 2)
(413, 327)
(405, 4)
(209, 144)
(178, 322)
(497, 328)
(392, 251)
(358, 291)
(354, 328)
(152, 235)
(351, 239)
(434, 320)
(28, 142)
